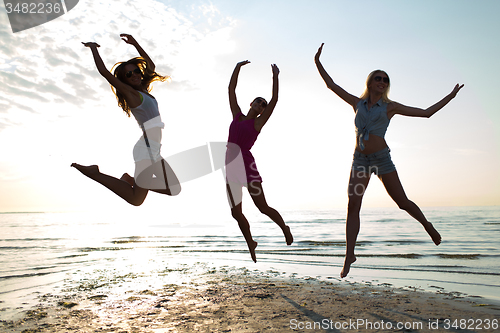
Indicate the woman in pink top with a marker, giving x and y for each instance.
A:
(131, 84)
(241, 169)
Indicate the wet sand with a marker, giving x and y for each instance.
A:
(237, 300)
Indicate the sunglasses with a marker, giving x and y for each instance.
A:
(380, 78)
(135, 71)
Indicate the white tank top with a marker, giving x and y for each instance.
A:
(147, 114)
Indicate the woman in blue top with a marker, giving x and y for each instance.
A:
(131, 84)
(373, 111)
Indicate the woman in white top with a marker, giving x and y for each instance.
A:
(131, 84)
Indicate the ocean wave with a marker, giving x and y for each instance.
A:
(438, 270)
(30, 239)
(321, 243)
(459, 256)
(97, 249)
(405, 242)
(25, 275)
(128, 241)
(19, 247)
(73, 256)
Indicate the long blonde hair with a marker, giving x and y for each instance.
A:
(369, 79)
(148, 77)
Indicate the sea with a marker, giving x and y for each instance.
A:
(45, 252)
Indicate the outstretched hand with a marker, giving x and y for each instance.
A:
(316, 57)
(91, 44)
(456, 90)
(275, 69)
(128, 39)
(242, 63)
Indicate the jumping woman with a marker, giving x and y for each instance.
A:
(243, 133)
(131, 84)
(374, 110)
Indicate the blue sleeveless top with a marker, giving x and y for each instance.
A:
(374, 121)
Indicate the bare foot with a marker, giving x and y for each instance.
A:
(288, 235)
(90, 171)
(251, 248)
(128, 179)
(347, 266)
(436, 237)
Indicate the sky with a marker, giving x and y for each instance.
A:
(55, 108)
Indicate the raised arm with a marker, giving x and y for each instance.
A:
(268, 111)
(233, 102)
(397, 108)
(348, 98)
(115, 82)
(131, 40)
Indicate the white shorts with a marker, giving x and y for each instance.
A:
(143, 152)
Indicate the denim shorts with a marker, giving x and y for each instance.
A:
(379, 163)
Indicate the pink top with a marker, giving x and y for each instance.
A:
(242, 134)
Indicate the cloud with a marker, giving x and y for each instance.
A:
(77, 82)
(21, 95)
(7, 38)
(7, 105)
(47, 65)
(58, 56)
(12, 80)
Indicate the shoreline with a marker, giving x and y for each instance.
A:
(197, 297)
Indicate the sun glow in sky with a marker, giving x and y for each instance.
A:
(56, 109)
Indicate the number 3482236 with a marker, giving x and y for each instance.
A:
(33, 8)
(477, 324)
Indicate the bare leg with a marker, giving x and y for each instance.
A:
(127, 178)
(357, 187)
(237, 214)
(257, 193)
(395, 189)
(134, 195)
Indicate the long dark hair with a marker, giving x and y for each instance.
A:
(148, 76)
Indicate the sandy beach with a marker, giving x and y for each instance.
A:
(229, 299)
